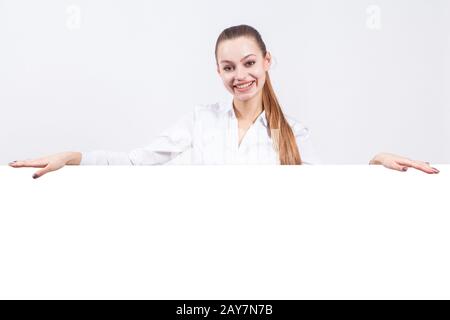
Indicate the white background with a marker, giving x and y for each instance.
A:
(225, 232)
(128, 68)
(364, 76)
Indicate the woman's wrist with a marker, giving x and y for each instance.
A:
(74, 158)
(376, 160)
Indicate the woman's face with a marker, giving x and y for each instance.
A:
(242, 67)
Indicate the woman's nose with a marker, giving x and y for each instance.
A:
(240, 74)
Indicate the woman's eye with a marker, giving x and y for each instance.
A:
(227, 68)
(250, 63)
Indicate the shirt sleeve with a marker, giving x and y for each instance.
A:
(163, 148)
(307, 151)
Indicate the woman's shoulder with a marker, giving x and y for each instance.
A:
(210, 111)
(306, 146)
(215, 107)
(299, 129)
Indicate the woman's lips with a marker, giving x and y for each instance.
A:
(244, 87)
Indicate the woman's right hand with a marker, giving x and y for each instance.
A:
(49, 163)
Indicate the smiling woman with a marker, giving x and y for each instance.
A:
(251, 128)
(243, 64)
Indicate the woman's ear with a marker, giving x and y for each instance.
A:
(217, 68)
(267, 61)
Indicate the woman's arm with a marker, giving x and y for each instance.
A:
(396, 162)
(163, 148)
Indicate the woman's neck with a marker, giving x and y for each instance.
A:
(248, 110)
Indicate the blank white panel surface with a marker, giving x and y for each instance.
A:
(225, 232)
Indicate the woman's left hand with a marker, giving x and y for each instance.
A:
(396, 162)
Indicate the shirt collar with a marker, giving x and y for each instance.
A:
(228, 108)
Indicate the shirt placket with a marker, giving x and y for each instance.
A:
(233, 140)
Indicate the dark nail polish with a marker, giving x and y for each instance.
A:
(405, 169)
(35, 176)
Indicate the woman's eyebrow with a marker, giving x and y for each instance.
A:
(228, 61)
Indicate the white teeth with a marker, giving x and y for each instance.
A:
(245, 85)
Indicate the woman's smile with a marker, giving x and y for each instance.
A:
(244, 86)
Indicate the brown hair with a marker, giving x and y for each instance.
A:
(280, 130)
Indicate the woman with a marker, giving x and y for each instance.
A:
(249, 129)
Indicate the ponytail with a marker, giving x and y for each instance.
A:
(280, 131)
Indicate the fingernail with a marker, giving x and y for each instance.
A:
(435, 170)
(13, 162)
(35, 176)
(405, 169)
